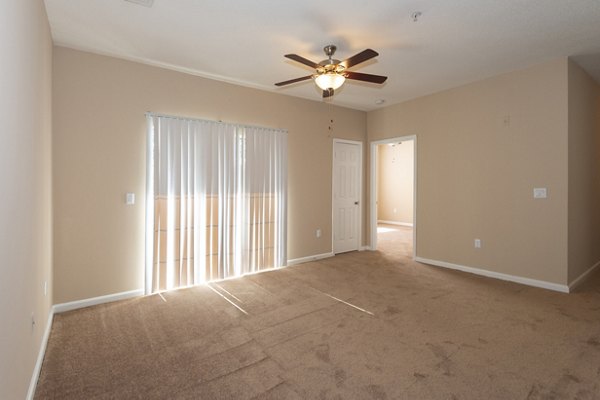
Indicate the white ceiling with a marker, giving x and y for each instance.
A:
(243, 42)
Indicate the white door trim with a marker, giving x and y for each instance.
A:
(360, 189)
(373, 189)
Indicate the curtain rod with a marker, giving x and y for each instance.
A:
(153, 114)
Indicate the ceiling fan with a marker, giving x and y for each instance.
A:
(330, 74)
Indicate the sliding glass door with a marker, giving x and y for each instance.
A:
(216, 204)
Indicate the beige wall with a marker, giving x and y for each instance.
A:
(25, 194)
(395, 173)
(584, 171)
(481, 150)
(99, 155)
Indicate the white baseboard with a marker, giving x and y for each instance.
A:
(382, 221)
(74, 305)
(363, 248)
(497, 275)
(40, 358)
(309, 258)
(583, 277)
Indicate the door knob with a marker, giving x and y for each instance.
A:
(356, 202)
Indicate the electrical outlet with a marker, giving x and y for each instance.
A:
(318, 233)
(130, 199)
(45, 288)
(477, 243)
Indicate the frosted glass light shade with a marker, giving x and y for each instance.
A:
(330, 80)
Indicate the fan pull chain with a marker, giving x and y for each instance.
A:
(330, 112)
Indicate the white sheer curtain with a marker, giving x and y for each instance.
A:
(216, 201)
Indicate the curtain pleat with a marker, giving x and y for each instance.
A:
(216, 204)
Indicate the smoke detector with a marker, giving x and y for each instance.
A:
(145, 3)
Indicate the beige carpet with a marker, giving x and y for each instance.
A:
(433, 334)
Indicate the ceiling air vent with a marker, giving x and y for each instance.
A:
(145, 3)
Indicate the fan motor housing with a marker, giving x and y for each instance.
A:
(329, 61)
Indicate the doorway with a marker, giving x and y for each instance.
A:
(346, 196)
(393, 194)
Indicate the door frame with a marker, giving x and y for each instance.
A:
(373, 188)
(360, 191)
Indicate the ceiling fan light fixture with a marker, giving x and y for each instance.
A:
(331, 74)
(330, 80)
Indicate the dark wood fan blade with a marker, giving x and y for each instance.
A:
(358, 76)
(301, 60)
(327, 93)
(293, 81)
(359, 58)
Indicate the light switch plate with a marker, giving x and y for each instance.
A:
(540, 193)
(130, 199)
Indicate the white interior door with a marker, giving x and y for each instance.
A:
(347, 160)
